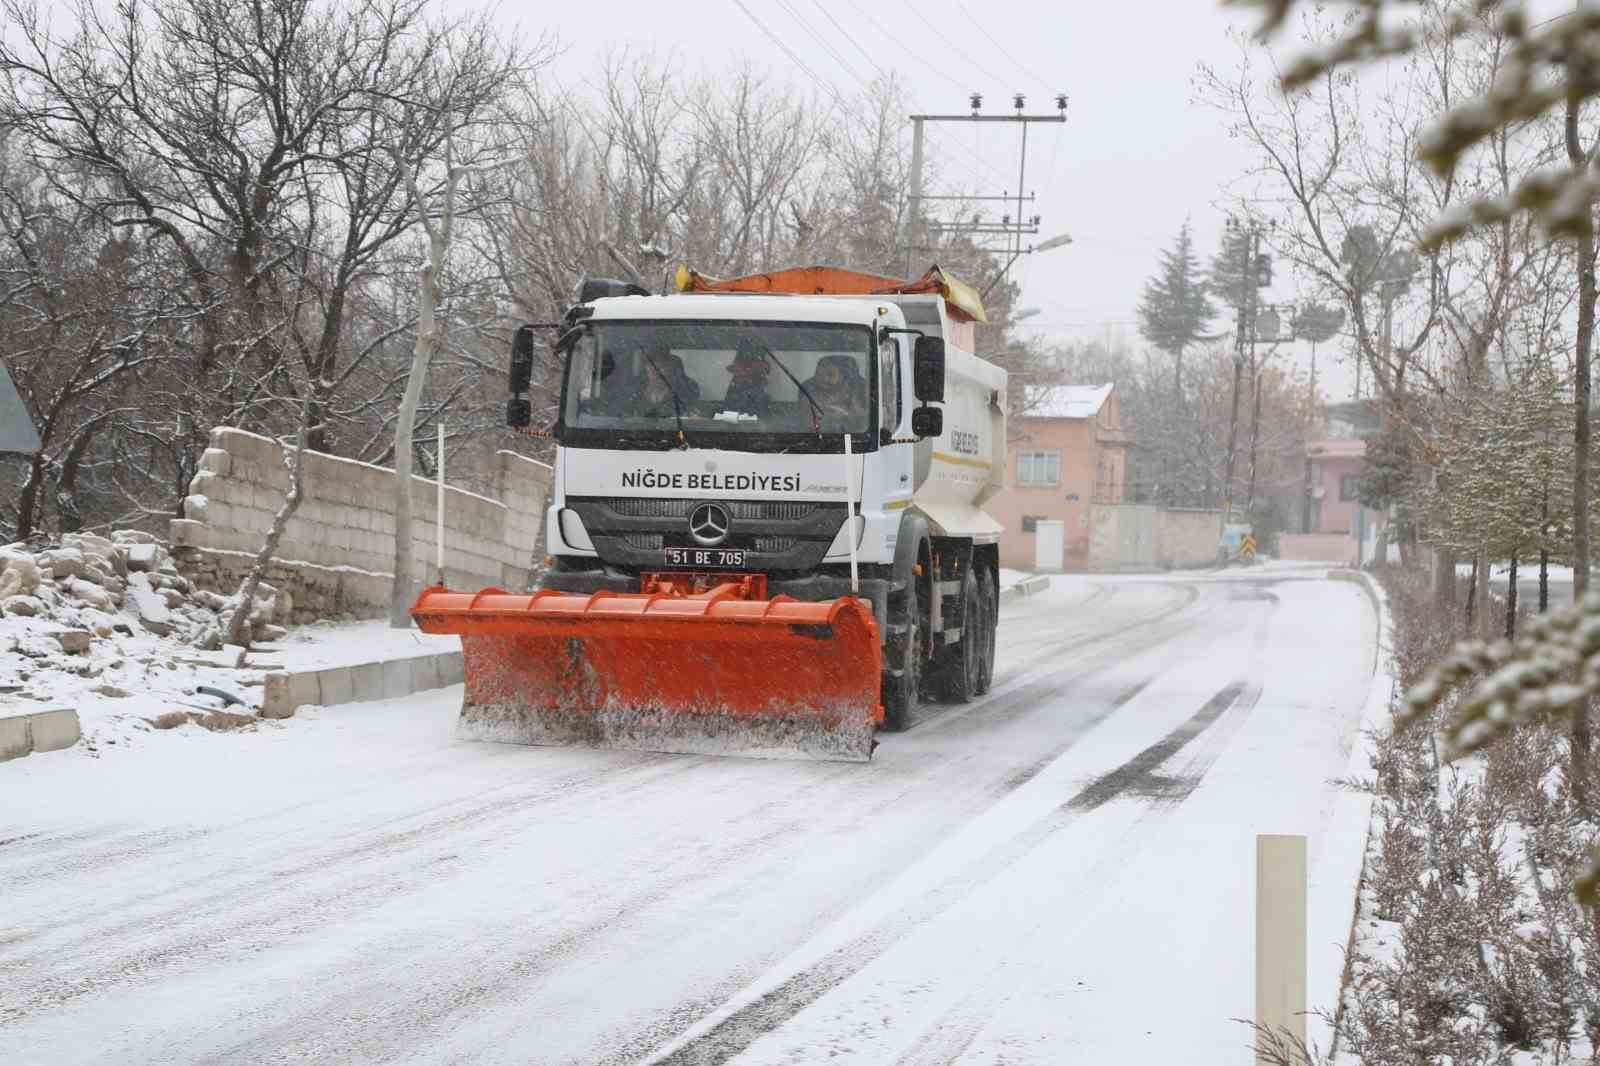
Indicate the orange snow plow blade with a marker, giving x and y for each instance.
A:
(710, 672)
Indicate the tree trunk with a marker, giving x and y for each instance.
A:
(1578, 770)
(429, 340)
(1511, 601)
(1485, 625)
(1580, 379)
(1445, 592)
(1472, 591)
(28, 499)
(1544, 580)
(294, 459)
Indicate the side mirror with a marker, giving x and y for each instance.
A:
(927, 371)
(521, 360)
(927, 422)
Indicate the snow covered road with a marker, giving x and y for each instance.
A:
(1058, 873)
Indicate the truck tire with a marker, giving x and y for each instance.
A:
(901, 693)
(960, 666)
(987, 594)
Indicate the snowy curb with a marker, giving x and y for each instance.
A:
(1335, 886)
(24, 734)
(1028, 586)
(329, 686)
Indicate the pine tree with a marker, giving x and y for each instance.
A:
(1176, 305)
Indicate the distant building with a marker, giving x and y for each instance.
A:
(1067, 450)
(1338, 528)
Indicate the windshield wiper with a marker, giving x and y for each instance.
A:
(816, 408)
(677, 401)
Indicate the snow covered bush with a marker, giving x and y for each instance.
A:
(1469, 949)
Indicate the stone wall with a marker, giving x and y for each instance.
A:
(336, 557)
(1145, 537)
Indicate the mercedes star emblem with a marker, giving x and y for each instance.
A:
(708, 524)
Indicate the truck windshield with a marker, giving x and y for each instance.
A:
(771, 380)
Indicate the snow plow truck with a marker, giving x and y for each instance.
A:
(766, 532)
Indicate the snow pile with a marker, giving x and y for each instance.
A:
(127, 583)
(109, 627)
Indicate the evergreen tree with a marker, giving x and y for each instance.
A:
(1176, 306)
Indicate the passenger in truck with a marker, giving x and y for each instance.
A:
(838, 387)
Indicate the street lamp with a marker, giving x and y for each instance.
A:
(1059, 241)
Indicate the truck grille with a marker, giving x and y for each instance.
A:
(648, 542)
(639, 507)
(775, 545)
(750, 510)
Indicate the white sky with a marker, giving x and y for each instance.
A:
(1134, 159)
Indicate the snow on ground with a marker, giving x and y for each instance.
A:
(1060, 872)
(349, 643)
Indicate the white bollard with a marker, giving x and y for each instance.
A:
(1280, 939)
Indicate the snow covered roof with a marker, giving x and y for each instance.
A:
(1064, 401)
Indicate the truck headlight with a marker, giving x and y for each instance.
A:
(855, 526)
(572, 531)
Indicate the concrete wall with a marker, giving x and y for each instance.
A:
(1146, 537)
(1318, 548)
(337, 554)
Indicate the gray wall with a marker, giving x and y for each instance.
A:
(1131, 536)
(337, 553)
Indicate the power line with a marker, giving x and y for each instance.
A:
(922, 17)
(785, 49)
(821, 40)
(975, 157)
(1042, 83)
(887, 36)
(851, 38)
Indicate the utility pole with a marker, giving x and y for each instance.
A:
(1252, 276)
(1011, 229)
(914, 208)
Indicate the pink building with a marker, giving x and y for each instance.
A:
(1067, 451)
(1335, 485)
(1338, 524)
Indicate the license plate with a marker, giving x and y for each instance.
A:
(716, 557)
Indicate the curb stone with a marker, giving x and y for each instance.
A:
(1028, 586)
(24, 734)
(1336, 878)
(329, 686)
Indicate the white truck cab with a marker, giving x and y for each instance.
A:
(831, 445)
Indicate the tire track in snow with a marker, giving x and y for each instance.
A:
(735, 1033)
(266, 849)
(486, 983)
(293, 899)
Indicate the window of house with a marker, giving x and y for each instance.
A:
(1349, 487)
(1038, 468)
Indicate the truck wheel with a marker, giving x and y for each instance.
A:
(900, 693)
(960, 664)
(991, 620)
